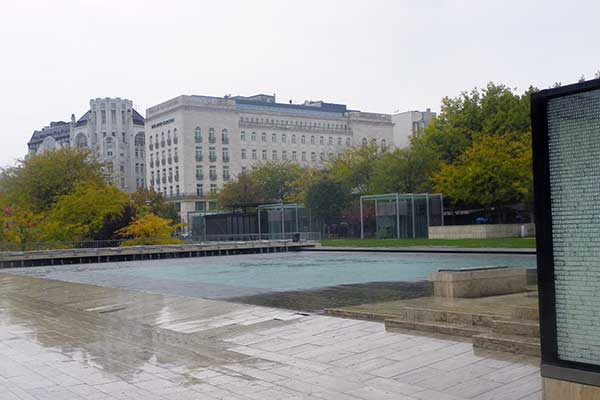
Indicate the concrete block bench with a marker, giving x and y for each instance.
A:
(478, 282)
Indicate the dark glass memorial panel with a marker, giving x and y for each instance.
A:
(566, 146)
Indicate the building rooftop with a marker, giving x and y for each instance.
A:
(265, 103)
(56, 129)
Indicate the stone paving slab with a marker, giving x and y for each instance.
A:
(61, 340)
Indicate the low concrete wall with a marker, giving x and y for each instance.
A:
(146, 252)
(470, 283)
(481, 231)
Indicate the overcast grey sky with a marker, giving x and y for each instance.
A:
(373, 55)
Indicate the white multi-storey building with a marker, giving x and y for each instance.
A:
(113, 130)
(408, 123)
(198, 143)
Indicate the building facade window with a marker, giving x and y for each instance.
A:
(364, 142)
(211, 136)
(199, 191)
(254, 154)
(284, 155)
(283, 138)
(243, 136)
(199, 156)
(212, 154)
(263, 137)
(243, 154)
(303, 139)
(225, 154)
(293, 139)
(339, 141)
(294, 155)
(312, 140)
(330, 140)
(213, 188)
(226, 175)
(303, 156)
(274, 155)
(199, 173)
(321, 140)
(348, 142)
(264, 154)
(212, 172)
(253, 136)
(274, 138)
(198, 135)
(224, 136)
(313, 156)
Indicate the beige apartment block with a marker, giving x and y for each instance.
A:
(196, 144)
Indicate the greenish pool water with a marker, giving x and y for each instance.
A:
(307, 270)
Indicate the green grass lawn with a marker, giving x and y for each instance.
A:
(514, 243)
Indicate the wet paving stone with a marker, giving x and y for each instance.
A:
(57, 341)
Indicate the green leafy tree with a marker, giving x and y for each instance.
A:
(151, 201)
(39, 180)
(276, 180)
(242, 191)
(494, 172)
(148, 230)
(355, 168)
(405, 170)
(80, 215)
(327, 200)
(495, 110)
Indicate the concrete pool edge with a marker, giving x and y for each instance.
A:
(416, 249)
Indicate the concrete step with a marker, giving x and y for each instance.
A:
(516, 344)
(434, 327)
(517, 327)
(451, 317)
(526, 313)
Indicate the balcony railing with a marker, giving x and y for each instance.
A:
(225, 158)
(199, 177)
(226, 177)
(212, 140)
(225, 140)
(213, 177)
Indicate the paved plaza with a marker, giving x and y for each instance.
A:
(62, 340)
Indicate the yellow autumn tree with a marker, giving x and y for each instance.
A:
(20, 229)
(149, 230)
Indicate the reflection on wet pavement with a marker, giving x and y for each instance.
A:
(61, 340)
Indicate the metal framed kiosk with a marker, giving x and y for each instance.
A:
(400, 216)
